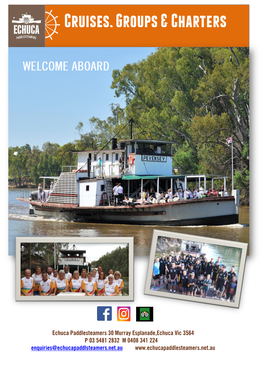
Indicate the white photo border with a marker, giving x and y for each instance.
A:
(77, 240)
(242, 246)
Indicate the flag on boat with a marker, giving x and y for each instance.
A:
(229, 140)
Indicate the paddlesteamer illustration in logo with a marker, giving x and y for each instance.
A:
(26, 27)
(31, 25)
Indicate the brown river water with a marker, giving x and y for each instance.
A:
(22, 224)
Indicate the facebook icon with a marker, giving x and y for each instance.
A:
(104, 313)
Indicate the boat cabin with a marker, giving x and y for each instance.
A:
(74, 258)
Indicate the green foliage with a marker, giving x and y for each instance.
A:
(195, 97)
(116, 259)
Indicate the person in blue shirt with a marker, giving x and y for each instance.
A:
(156, 272)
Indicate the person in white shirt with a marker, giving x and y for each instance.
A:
(115, 191)
(68, 275)
(195, 193)
(27, 284)
(110, 272)
(55, 277)
(118, 281)
(111, 289)
(120, 194)
(37, 277)
(46, 287)
(94, 275)
(76, 283)
(89, 286)
(62, 284)
(49, 272)
(101, 283)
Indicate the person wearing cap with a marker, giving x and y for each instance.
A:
(119, 282)
(221, 281)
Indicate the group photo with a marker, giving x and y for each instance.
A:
(75, 270)
(198, 270)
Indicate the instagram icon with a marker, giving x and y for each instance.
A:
(123, 313)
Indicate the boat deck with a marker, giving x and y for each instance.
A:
(132, 206)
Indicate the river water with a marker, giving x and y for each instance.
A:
(21, 224)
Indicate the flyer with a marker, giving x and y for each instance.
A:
(134, 217)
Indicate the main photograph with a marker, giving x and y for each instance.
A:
(159, 139)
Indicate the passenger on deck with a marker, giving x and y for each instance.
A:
(39, 191)
(121, 163)
(180, 193)
(51, 186)
(126, 201)
(120, 193)
(195, 193)
(115, 192)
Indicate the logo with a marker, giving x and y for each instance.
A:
(123, 313)
(104, 313)
(50, 25)
(144, 314)
(26, 27)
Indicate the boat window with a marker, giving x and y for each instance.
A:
(87, 188)
(102, 188)
(106, 157)
(116, 156)
(95, 157)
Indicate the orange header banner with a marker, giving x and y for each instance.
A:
(134, 25)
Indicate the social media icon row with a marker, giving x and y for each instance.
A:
(124, 313)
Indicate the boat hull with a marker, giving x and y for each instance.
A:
(208, 211)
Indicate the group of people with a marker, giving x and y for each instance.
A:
(118, 194)
(194, 275)
(53, 282)
(149, 196)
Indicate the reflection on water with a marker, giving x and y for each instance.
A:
(22, 224)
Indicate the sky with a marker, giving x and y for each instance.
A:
(48, 105)
(94, 251)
